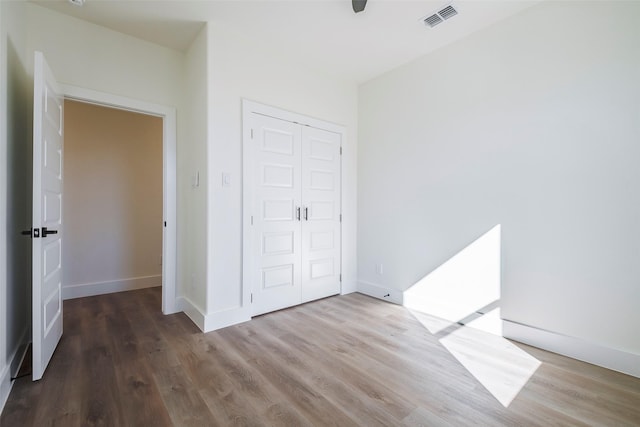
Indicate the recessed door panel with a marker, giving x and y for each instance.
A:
(321, 210)
(52, 206)
(320, 240)
(320, 149)
(52, 309)
(52, 159)
(278, 276)
(280, 141)
(321, 268)
(52, 258)
(280, 243)
(277, 176)
(278, 210)
(322, 180)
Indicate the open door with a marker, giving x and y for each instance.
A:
(47, 215)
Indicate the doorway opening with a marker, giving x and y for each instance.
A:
(121, 219)
(112, 200)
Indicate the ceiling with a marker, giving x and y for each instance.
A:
(321, 34)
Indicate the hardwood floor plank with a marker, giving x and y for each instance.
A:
(101, 404)
(346, 360)
(184, 403)
(322, 377)
(356, 378)
(442, 389)
(309, 401)
(141, 402)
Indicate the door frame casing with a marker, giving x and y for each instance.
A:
(169, 179)
(249, 107)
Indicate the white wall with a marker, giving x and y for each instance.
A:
(93, 57)
(192, 273)
(15, 201)
(87, 55)
(533, 124)
(244, 68)
(112, 199)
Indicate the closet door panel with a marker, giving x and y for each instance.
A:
(321, 213)
(276, 282)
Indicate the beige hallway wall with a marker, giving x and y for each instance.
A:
(112, 199)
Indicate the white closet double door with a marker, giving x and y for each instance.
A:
(295, 213)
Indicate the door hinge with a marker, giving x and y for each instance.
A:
(340, 217)
(341, 150)
(251, 219)
(251, 297)
(251, 133)
(165, 223)
(341, 277)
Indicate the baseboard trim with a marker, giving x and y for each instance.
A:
(222, 319)
(12, 367)
(596, 354)
(192, 311)
(212, 321)
(349, 287)
(386, 294)
(100, 288)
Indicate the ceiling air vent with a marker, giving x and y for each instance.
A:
(448, 12)
(440, 16)
(433, 20)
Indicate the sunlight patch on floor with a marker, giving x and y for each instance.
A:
(499, 365)
(459, 302)
(489, 322)
(463, 285)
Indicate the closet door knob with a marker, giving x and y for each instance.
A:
(306, 213)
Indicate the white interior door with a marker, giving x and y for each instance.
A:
(276, 214)
(47, 215)
(321, 213)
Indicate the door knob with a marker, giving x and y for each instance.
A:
(46, 232)
(26, 232)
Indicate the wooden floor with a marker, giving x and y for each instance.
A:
(348, 360)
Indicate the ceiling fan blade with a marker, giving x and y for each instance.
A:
(358, 5)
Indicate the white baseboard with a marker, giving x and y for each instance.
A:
(100, 288)
(13, 365)
(348, 287)
(617, 360)
(392, 295)
(222, 319)
(192, 311)
(212, 321)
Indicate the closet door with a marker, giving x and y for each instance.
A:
(276, 280)
(320, 213)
